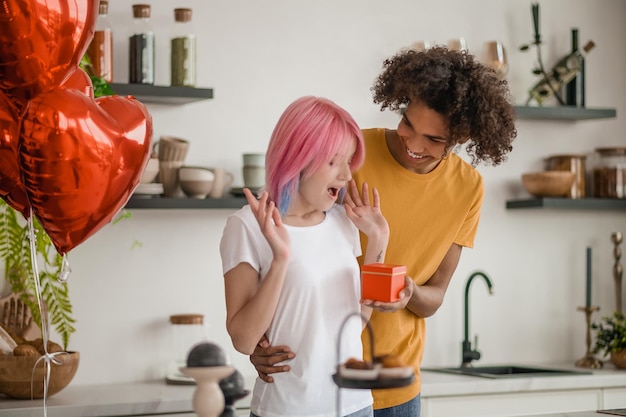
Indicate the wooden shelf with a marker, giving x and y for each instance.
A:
(568, 203)
(563, 113)
(185, 203)
(162, 94)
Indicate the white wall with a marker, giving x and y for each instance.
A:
(259, 56)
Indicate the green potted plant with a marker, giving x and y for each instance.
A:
(611, 338)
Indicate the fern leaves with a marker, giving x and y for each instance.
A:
(15, 253)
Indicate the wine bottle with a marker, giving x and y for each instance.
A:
(575, 89)
(562, 73)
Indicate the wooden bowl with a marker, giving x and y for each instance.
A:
(16, 374)
(548, 183)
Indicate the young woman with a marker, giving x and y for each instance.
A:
(289, 260)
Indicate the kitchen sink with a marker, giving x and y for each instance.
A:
(507, 371)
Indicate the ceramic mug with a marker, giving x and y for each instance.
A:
(254, 159)
(254, 170)
(168, 176)
(170, 148)
(253, 177)
(221, 183)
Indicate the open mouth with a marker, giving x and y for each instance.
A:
(413, 154)
(334, 192)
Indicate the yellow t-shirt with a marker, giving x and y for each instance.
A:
(426, 213)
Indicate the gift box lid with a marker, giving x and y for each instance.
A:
(380, 268)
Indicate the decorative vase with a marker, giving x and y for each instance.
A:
(208, 399)
(618, 358)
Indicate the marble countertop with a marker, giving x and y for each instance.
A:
(154, 398)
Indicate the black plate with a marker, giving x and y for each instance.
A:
(238, 191)
(378, 383)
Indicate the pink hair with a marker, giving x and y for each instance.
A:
(309, 133)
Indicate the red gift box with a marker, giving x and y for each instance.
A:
(382, 282)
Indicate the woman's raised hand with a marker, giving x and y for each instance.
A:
(268, 217)
(367, 217)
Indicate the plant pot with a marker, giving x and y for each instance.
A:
(22, 377)
(618, 358)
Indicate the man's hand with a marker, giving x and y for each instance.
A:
(405, 296)
(265, 357)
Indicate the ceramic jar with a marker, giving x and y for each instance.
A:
(572, 163)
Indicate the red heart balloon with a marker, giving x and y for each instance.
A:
(79, 80)
(81, 158)
(42, 42)
(11, 188)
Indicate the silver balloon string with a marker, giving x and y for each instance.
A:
(47, 357)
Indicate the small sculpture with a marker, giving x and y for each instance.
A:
(207, 364)
(617, 238)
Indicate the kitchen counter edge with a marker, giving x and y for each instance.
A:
(154, 398)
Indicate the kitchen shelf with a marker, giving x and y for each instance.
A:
(568, 203)
(185, 203)
(563, 113)
(162, 94)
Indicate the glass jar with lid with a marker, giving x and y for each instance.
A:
(609, 174)
(100, 50)
(183, 50)
(141, 47)
(187, 330)
(572, 163)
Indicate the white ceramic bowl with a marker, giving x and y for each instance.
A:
(151, 171)
(195, 173)
(196, 188)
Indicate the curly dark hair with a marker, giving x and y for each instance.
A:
(475, 102)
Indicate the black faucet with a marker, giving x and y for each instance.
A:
(470, 355)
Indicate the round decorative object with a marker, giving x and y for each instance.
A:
(22, 377)
(206, 354)
(618, 358)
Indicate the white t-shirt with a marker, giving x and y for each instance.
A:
(321, 289)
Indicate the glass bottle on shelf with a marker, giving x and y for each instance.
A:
(100, 50)
(562, 73)
(183, 50)
(575, 89)
(141, 47)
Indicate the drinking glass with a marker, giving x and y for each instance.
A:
(421, 46)
(457, 44)
(496, 58)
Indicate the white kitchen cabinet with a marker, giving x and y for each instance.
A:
(513, 404)
(614, 397)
